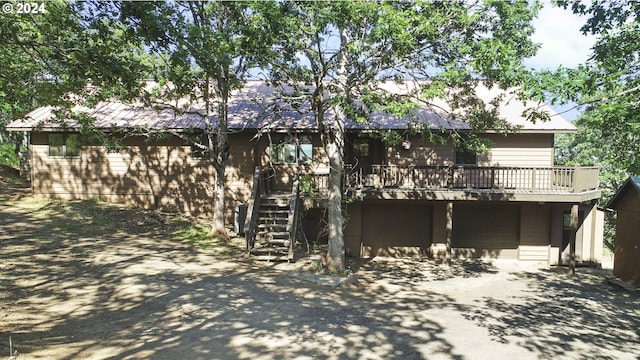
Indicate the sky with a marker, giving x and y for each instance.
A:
(562, 43)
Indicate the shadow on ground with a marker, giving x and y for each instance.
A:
(559, 316)
(128, 290)
(121, 286)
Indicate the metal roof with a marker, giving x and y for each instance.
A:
(256, 106)
(633, 182)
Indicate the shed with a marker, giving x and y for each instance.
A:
(626, 203)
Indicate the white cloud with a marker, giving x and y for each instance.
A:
(562, 43)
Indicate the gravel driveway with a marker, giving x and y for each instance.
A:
(141, 295)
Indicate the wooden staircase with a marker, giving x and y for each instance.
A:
(273, 237)
(272, 220)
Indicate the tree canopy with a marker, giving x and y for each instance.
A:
(609, 83)
(201, 51)
(338, 53)
(59, 57)
(332, 55)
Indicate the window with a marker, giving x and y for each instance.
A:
(566, 219)
(64, 145)
(466, 157)
(292, 151)
(361, 149)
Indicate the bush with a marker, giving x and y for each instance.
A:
(8, 156)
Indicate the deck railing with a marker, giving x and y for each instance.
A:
(533, 179)
(252, 209)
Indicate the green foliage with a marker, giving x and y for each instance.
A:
(609, 84)
(8, 156)
(579, 149)
(308, 186)
(47, 56)
(448, 43)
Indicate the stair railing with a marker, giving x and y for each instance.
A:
(251, 221)
(292, 221)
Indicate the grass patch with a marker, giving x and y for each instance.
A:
(32, 203)
(74, 217)
(197, 235)
(97, 219)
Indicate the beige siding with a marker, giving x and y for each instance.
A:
(421, 153)
(239, 172)
(591, 242)
(589, 236)
(522, 150)
(161, 174)
(158, 175)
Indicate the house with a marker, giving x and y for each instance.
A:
(626, 203)
(413, 198)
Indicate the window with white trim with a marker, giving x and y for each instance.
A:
(292, 150)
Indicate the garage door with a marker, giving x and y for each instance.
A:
(485, 227)
(396, 225)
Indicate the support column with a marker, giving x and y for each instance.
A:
(572, 239)
(449, 232)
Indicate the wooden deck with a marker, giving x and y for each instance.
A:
(510, 179)
(555, 184)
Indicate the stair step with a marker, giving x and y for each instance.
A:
(276, 196)
(270, 257)
(268, 236)
(273, 220)
(272, 211)
(284, 201)
(272, 233)
(273, 249)
(276, 242)
(274, 203)
(272, 226)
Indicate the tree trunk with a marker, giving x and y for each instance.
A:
(335, 251)
(218, 205)
(449, 233)
(335, 151)
(220, 164)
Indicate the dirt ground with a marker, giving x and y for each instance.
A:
(125, 288)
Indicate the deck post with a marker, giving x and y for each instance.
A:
(572, 239)
(449, 232)
(449, 172)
